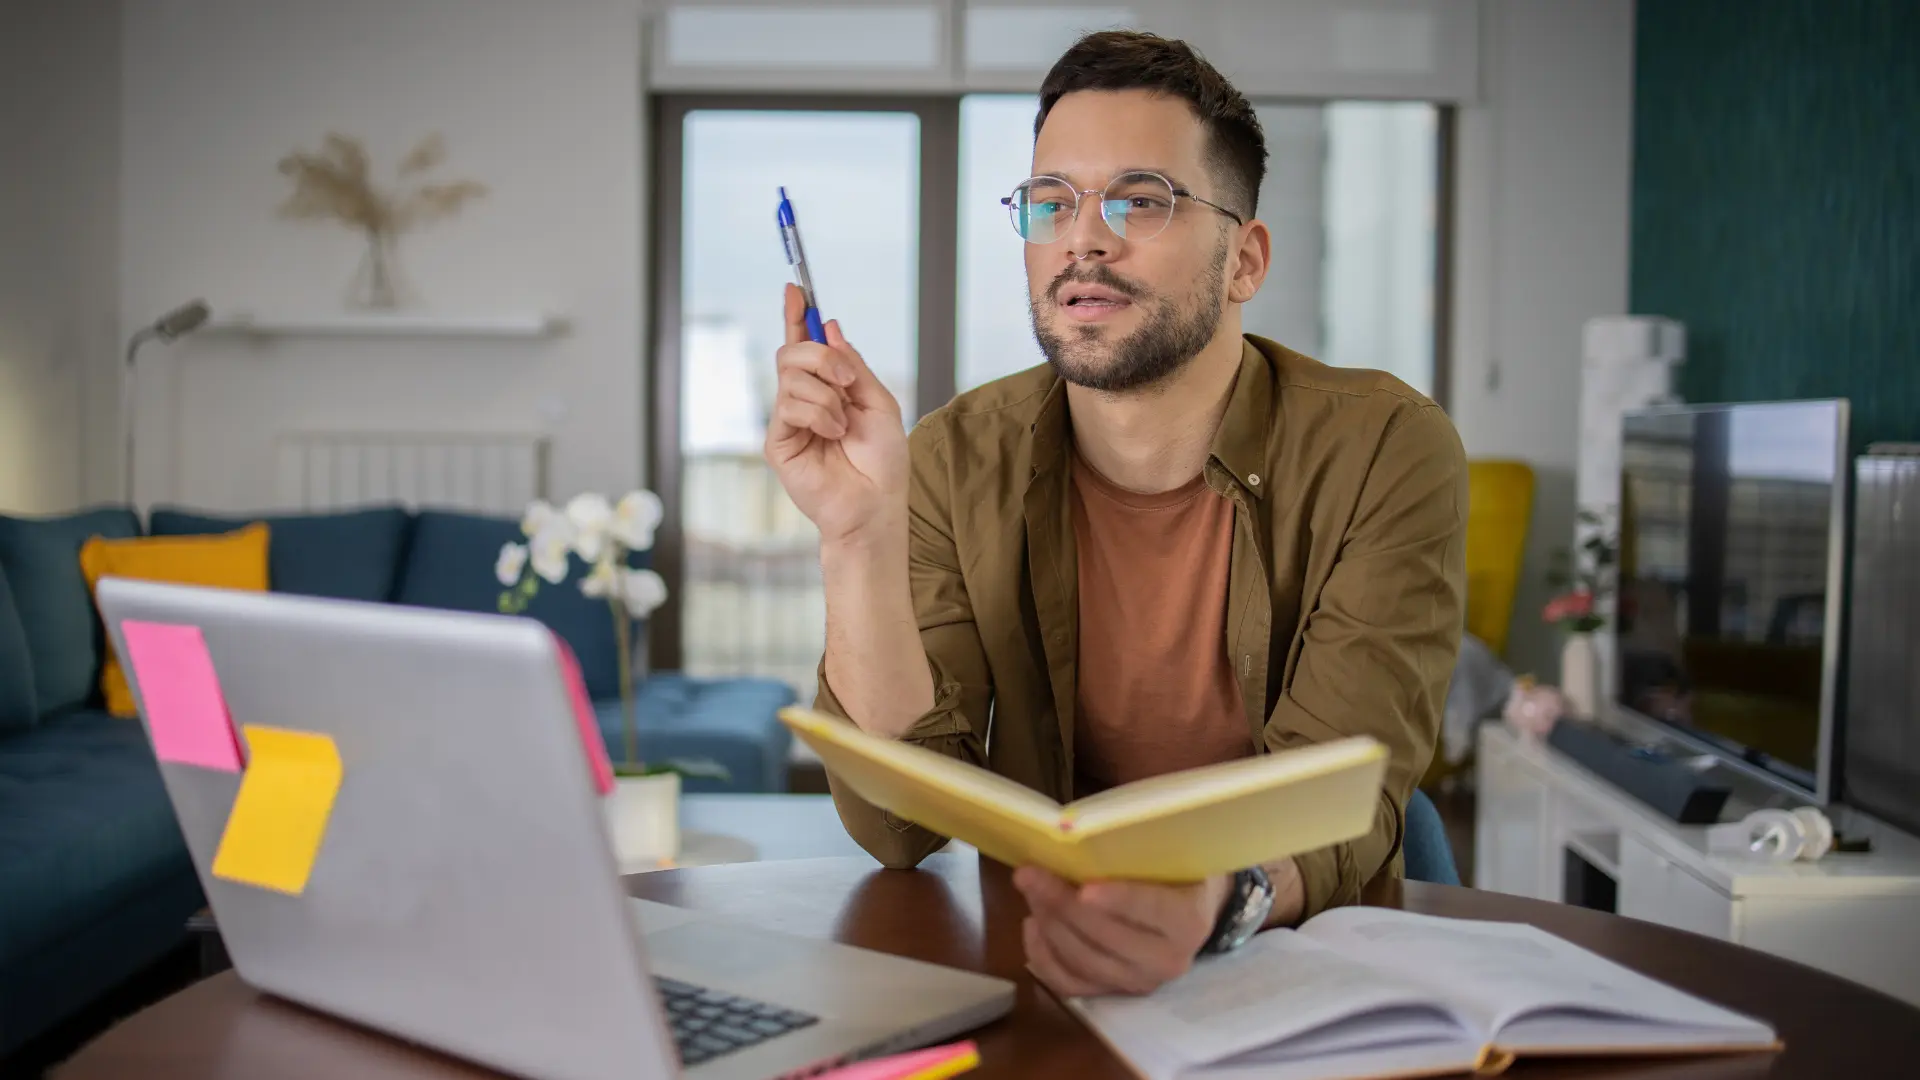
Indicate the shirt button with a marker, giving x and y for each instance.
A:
(1059, 637)
(1253, 479)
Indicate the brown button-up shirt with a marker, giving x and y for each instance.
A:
(1346, 592)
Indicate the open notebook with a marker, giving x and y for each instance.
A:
(1370, 992)
(1180, 826)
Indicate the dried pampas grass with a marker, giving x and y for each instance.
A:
(336, 183)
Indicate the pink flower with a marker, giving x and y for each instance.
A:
(1573, 605)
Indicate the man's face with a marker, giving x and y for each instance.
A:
(1119, 314)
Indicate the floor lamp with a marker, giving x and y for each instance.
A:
(175, 324)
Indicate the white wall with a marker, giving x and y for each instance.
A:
(1545, 165)
(540, 101)
(59, 127)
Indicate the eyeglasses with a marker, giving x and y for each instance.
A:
(1135, 205)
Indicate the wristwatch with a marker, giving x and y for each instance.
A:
(1245, 911)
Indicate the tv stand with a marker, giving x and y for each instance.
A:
(1550, 829)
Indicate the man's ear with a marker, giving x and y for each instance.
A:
(1247, 264)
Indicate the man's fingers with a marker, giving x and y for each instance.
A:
(817, 360)
(805, 415)
(1048, 967)
(794, 314)
(1088, 960)
(864, 386)
(805, 386)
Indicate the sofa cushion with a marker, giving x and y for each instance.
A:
(450, 564)
(235, 560)
(731, 721)
(85, 826)
(17, 709)
(41, 558)
(353, 555)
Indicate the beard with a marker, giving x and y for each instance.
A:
(1170, 335)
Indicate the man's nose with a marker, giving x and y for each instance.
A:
(1089, 237)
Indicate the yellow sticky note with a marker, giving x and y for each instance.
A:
(280, 815)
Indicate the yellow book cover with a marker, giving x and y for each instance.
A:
(1184, 826)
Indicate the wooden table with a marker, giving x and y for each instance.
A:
(961, 911)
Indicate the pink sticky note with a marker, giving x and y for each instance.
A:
(185, 710)
(934, 1063)
(583, 717)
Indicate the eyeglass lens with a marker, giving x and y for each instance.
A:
(1136, 206)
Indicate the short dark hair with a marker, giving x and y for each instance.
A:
(1135, 60)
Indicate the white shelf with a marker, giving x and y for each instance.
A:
(389, 325)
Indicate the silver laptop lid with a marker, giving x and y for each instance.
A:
(464, 894)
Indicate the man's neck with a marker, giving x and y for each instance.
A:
(1157, 439)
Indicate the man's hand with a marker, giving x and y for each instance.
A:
(1128, 937)
(834, 439)
(1108, 937)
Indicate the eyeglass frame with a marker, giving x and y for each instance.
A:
(1080, 194)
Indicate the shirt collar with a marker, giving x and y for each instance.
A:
(1240, 446)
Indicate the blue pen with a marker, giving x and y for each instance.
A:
(797, 258)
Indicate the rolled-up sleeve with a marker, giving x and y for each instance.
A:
(1382, 636)
(962, 687)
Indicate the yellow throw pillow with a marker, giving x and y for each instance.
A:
(235, 560)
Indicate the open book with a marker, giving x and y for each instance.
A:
(1372, 992)
(1183, 826)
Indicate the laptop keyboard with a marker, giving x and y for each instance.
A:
(708, 1023)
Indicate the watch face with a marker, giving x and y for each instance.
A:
(1253, 896)
(1259, 903)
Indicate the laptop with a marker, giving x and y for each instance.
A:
(464, 894)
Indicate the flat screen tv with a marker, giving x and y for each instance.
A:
(1729, 609)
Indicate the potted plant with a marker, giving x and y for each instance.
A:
(1578, 612)
(643, 811)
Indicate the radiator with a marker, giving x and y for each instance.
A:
(491, 473)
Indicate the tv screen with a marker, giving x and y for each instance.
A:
(1730, 553)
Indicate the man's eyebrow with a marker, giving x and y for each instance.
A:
(1171, 178)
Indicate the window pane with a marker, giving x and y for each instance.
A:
(1348, 199)
(751, 599)
(1379, 272)
(995, 333)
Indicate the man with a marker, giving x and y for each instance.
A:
(1171, 545)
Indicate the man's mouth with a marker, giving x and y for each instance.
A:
(1086, 302)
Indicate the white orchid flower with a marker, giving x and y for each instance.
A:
(550, 548)
(635, 518)
(539, 515)
(645, 591)
(599, 582)
(591, 518)
(510, 564)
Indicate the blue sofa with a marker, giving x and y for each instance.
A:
(95, 882)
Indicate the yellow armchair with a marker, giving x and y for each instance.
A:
(1499, 508)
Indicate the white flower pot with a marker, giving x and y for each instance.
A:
(1580, 676)
(643, 817)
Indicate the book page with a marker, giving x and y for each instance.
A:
(1281, 986)
(1504, 975)
(1217, 783)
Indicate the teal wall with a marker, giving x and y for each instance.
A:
(1776, 199)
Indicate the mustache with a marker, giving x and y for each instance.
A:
(1097, 274)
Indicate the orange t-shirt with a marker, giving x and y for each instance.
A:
(1156, 688)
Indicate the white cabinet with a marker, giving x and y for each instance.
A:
(1856, 915)
(1655, 888)
(1509, 836)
